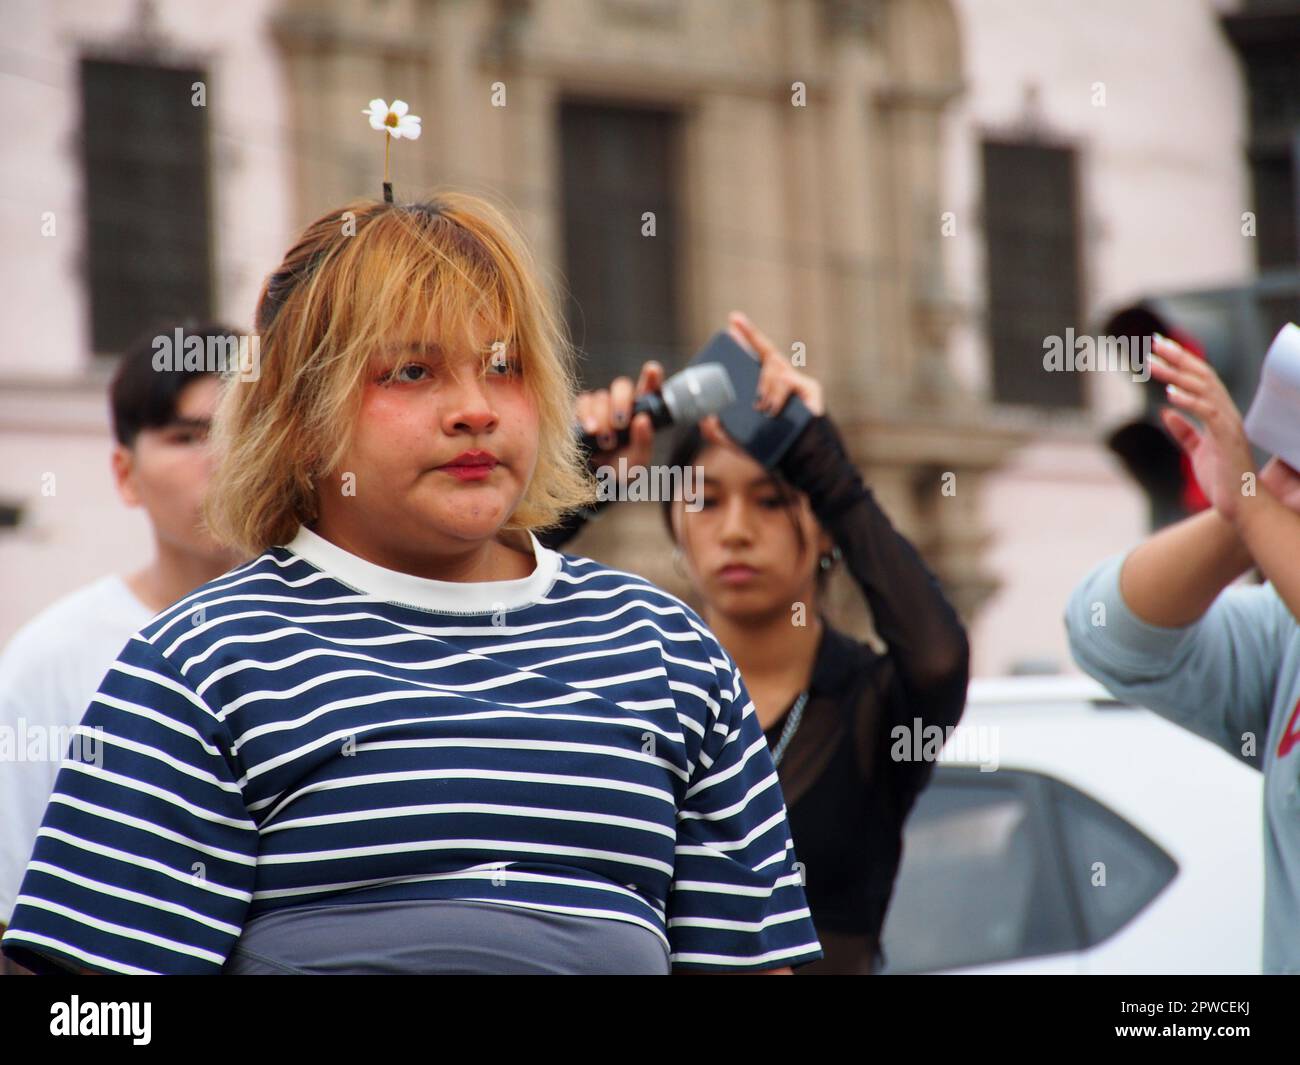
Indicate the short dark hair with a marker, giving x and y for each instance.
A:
(141, 397)
(683, 449)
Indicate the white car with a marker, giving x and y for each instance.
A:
(1097, 838)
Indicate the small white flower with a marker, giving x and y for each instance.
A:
(393, 120)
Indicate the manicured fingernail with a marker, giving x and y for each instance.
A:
(589, 424)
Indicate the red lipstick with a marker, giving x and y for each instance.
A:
(473, 465)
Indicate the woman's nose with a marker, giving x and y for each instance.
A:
(467, 407)
(735, 520)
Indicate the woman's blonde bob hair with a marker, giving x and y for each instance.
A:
(357, 279)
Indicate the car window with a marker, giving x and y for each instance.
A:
(981, 880)
(1112, 867)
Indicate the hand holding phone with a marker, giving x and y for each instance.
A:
(777, 378)
(764, 430)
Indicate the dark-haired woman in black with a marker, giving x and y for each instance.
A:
(758, 552)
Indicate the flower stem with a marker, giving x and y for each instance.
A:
(388, 139)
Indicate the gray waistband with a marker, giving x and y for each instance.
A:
(442, 936)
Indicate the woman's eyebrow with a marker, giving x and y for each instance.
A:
(417, 347)
(761, 481)
(435, 350)
(189, 423)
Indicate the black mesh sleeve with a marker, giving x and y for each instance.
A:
(927, 642)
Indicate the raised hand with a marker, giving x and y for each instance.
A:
(604, 411)
(1219, 452)
(777, 379)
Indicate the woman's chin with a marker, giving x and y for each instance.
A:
(479, 523)
(474, 516)
(745, 602)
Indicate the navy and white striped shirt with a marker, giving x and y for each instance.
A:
(312, 728)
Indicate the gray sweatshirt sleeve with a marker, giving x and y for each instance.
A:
(1216, 677)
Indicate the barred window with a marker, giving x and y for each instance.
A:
(147, 197)
(622, 308)
(1031, 225)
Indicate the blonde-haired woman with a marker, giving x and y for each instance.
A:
(406, 737)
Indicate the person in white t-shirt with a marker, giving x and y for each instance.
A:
(52, 666)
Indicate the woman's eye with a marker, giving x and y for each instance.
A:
(504, 367)
(400, 373)
(774, 503)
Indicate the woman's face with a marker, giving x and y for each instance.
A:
(396, 493)
(740, 547)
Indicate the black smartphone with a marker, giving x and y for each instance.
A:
(766, 437)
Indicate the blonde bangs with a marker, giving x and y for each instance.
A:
(359, 279)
